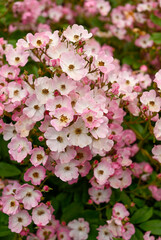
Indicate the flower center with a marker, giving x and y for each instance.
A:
(39, 157)
(60, 139)
(39, 42)
(45, 91)
(78, 131)
(71, 67)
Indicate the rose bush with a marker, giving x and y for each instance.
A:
(80, 120)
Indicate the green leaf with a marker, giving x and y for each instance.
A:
(142, 215)
(139, 202)
(125, 198)
(72, 211)
(4, 231)
(41, 19)
(92, 216)
(93, 232)
(138, 235)
(8, 170)
(3, 219)
(59, 2)
(108, 213)
(153, 225)
(155, 19)
(156, 37)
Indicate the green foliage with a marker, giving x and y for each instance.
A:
(155, 19)
(156, 37)
(142, 215)
(8, 170)
(153, 225)
(138, 235)
(5, 233)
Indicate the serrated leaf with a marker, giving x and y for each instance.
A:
(142, 215)
(153, 225)
(8, 170)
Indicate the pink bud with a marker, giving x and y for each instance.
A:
(126, 219)
(132, 204)
(143, 68)
(24, 232)
(90, 201)
(63, 223)
(159, 176)
(80, 50)
(41, 138)
(145, 108)
(46, 188)
(137, 89)
(53, 62)
(110, 136)
(95, 162)
(48, 203)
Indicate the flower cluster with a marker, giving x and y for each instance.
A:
(66, 119)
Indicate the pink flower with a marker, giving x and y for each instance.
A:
(16, 93)
(19, 220)
(149, 99)
(16, 57)
(63, 232)
(64, 84)
(19, 148)
(56, 141)
(121, 179)
(76, 33)
(9, 131)
(100, 195)
(46, 231)
(144, 41)
(39, 40)
(115, 227)
(10, 205)
(62, 118)
(79, 229)
(73, 65)
(119, 211)
(68, 154)
(44, 89)
(103, 7)
(28, 196)
(148, 237)
(158, 79)
(103, 171)
(35, 175)
(156, 192)
(104, 62)
(129, 231)
(156, 150)
(104, 233)
(9, 72)
(38, 156)
(78, 134)
(67, 171)
(157, 129)
(34, 109)
(41, 215)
